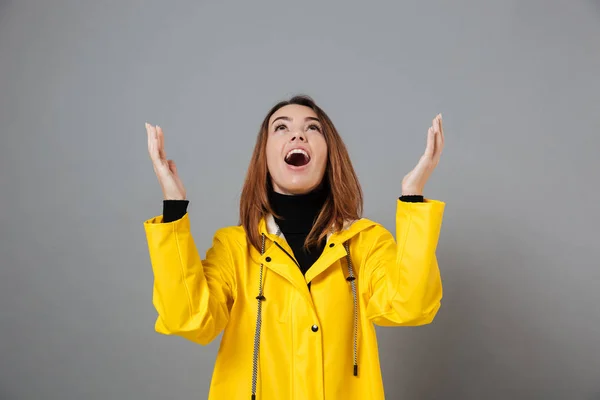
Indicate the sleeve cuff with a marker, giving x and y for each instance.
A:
(174, 209)
(412, 198)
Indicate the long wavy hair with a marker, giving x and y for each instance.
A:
(344, 199)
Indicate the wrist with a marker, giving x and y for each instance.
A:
(408, 191)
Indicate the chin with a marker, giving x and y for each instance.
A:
(295, 188)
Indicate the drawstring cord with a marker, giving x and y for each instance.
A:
(352, 279)
(260, 298)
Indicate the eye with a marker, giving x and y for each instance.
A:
(279, 126)
(315, 127)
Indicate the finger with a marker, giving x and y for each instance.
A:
(161, 142)
(442, 130)
(152, 147)
(155, 154)
(438, 147)
(439, 131)
(430, 143)
(159, 145)
(147, 125)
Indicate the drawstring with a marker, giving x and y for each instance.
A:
(352, 279)
(260, 298)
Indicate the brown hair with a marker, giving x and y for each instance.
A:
(344, 198)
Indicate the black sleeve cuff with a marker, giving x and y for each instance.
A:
(174, 209)
(412, 198)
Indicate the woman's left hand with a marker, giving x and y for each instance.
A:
(414, 182)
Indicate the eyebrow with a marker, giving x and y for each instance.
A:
(289, 119)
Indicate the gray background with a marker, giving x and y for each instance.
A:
(517, 83)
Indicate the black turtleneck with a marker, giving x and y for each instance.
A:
(296, 216)
(297, 212)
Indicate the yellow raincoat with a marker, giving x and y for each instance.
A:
(309, 338)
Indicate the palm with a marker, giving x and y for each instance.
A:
(165, 170)
(414, 182)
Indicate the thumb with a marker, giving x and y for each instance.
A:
(172, 166)
(173, 169)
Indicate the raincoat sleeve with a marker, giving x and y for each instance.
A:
(193, 297)
(403, 274)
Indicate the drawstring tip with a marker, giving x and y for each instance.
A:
(356, 370)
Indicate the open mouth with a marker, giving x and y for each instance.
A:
(297, 158)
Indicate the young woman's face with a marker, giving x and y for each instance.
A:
(296, 150)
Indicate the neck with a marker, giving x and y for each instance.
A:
(297, 213)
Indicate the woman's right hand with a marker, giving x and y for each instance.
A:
(165, 170)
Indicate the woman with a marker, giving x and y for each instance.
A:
(299, 285)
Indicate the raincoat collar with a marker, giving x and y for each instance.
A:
(334, 250)
(269, 226)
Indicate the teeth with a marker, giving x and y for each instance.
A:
(297, 151)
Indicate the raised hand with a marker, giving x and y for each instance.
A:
(165, 170)
(414, 182)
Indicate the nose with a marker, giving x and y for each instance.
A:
(298, 136)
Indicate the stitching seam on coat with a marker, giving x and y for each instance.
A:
(187, 289)
(398, 262)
